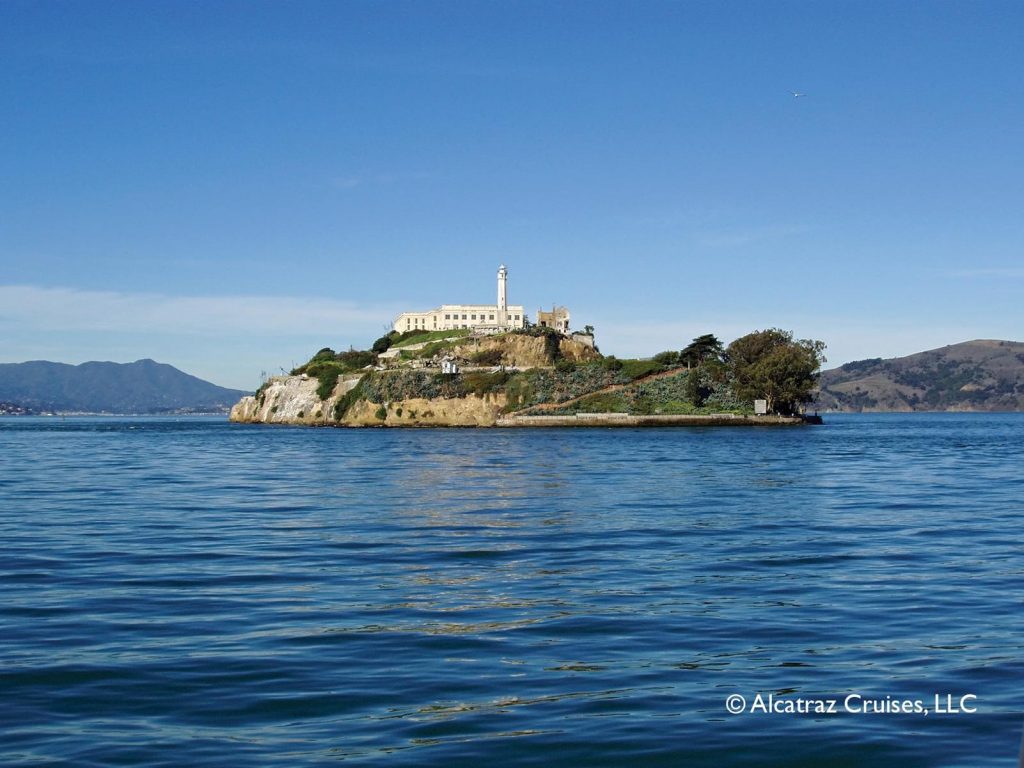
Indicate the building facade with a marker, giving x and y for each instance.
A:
(557, 318)
(485, 318)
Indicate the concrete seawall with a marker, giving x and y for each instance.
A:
(627, 420)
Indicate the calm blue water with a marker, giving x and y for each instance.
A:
(197, 593)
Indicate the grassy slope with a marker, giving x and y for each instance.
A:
(419, 338)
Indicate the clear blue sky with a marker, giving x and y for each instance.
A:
(228, 187)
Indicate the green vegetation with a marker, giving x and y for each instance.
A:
(383, 344)
(327, 365)
(637, 369)
(481, 384)
(664, 395)
(774, 366)
(701, 349)
(354, 395)
(327, 375)
(486, 357)
(435, 347)
(381, 413)
(418, 337)
(668, 359)
(602, 402)
(765, 364)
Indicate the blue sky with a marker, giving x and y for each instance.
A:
(228, 187)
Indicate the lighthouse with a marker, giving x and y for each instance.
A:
(502, 296)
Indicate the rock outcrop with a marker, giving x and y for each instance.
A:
(291, 400)
(294, 400)
(522, 351)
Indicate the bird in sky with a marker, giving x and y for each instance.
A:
(797, 95)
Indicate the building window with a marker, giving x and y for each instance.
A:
(474, 317)
(516, 317)
(463, 317)
(447, 317)
(492, 317)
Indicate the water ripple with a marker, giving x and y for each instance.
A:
(175, 589)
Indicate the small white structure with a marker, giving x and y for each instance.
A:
(449, 366)
(760, 407)
(485, 318)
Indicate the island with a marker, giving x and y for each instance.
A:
(488, 366)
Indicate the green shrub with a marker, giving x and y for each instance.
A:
(381, 413)
(383, 344)
(419, 336)
(431, 349)
(481, 384)
(327, 375)
(603, 402)
(519, 391)
(668, 359)
(350, 398)
(487, 357)
(355, 359)
(636, 369)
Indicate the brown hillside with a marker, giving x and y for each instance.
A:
(980, 375)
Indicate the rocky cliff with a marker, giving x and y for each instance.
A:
(409, 394)
(531, 351)
(294, 400)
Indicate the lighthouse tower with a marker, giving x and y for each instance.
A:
(502, 296)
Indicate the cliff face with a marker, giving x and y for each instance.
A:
(398, 398)
(523, 351)
(982, 375)
(470, 411)
(291, 400)
(294, 400)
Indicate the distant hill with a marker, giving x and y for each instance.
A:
(144, 386)
(981, 375)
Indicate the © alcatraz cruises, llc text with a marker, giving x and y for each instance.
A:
(852, 704)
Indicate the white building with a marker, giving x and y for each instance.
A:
(486, 318)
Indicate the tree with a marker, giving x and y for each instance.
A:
(773, 366)
(383, 344)
(668, 358)
(706, 347)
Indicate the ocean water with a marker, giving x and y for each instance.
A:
(190, 592)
